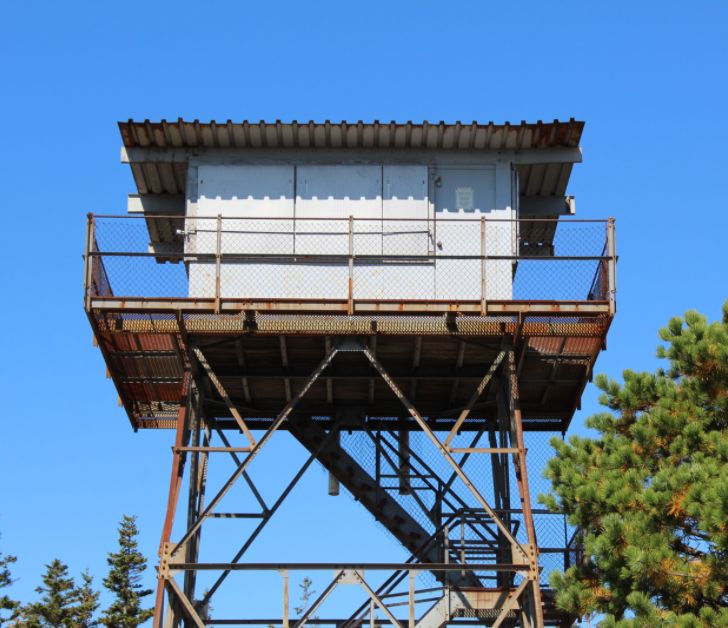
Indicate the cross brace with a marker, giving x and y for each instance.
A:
(182, 603)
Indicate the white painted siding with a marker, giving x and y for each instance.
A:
(464, 195)
(293, 195)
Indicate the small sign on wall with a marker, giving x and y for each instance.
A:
(464, 198)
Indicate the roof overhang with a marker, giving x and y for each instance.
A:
(355, 135)
(544, 153)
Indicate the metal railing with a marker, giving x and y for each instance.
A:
(350, 259)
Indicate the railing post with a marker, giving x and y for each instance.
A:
(482, 266)
(284, 573)
(88, 270)
(218, 256)
(351, 265)
(411, 598)
(612, 267)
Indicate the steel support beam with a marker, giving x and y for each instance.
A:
(492, 529)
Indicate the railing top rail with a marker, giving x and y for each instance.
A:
(345, 218)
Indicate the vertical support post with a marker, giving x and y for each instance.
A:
(218, 257)
(334, 486)
(404, 462)
(522, 479)
(412, 576)
(462, 543)
(372, 608)
(175, 482)
(482, 266)
(351, 266)
(284, 573)
(88, 270)
(196, 491)
(612, 268)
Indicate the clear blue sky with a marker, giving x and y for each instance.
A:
(649, 78)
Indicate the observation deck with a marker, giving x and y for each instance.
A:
(435, 315)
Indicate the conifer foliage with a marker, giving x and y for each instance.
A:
(126, 567)
(62, 604)
(650, 493)
(8, 606)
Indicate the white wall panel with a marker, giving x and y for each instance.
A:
(295, 195)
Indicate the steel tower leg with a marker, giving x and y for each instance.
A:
(491, 528)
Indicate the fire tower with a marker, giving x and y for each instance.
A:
(412, 303)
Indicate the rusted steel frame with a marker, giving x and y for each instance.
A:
(396, 578)
(510, 603)
(612, 257)
(196, 496)
(435, 441)
(284, 364)
(346, 258)
(501, 495)
(379, 449)
(240, 355)
(319, 600)
(246, 477)
(483, 450)
(350, 291)
(118, 384)
(339, 219)
(474, 397)
(223, 393)
(218, 258)
(146, 377)
(463, 460)
(483, 307)
(459, 502)
(187, 606)
(378, 601)
(87, 258)
(458, 365)
(523, 488)
(204, 449)
(256, 449)
(362, 306)
(175, 482)
(269, 512)
(554, 369)
(515, 567)
(411, 598)
(285, 622)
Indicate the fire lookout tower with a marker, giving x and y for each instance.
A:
(412, 303)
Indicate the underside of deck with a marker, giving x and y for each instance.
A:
(262, 357)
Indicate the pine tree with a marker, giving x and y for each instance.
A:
(88, 601)
(63, 604)
(124, 580)
(651, 491)
(56, 607)
(8, 606)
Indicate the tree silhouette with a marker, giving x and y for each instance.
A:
(7, 604)
(650, 493)
(126, 567)
(62, 605)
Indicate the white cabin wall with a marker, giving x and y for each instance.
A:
(464, 195)
(293, 194)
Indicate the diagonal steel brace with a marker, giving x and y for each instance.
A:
(284, 414)
(443, 450)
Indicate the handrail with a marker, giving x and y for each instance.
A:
(582, 251)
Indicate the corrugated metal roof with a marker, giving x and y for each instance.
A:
(408, 135)
(170, 178)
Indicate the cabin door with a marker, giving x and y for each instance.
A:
(463, 195)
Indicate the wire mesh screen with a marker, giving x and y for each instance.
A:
(445, 509)
(354, 259)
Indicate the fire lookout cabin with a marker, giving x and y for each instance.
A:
(415, 304)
